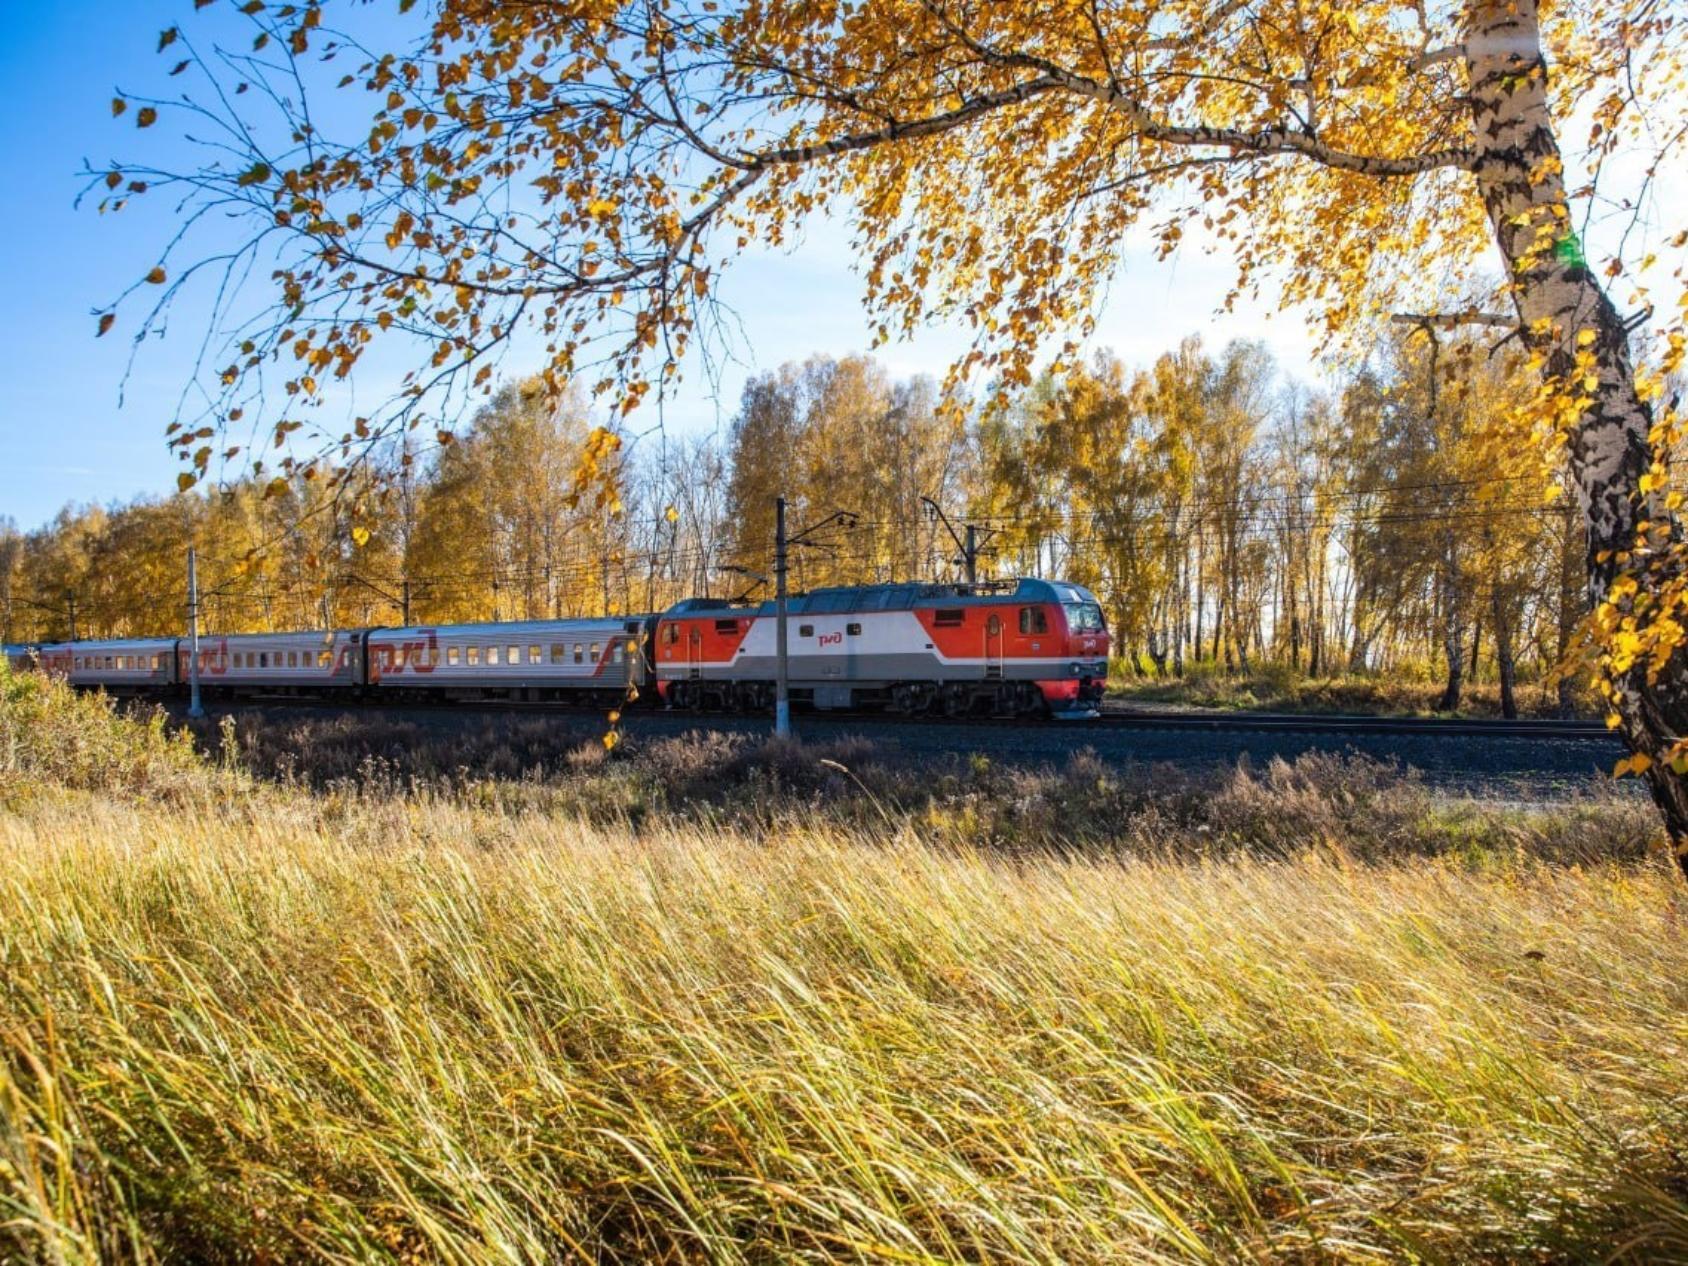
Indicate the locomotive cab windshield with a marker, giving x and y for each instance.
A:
(1084, 617)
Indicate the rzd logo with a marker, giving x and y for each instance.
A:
(832, 639)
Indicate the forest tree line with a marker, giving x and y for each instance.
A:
(1225, 515)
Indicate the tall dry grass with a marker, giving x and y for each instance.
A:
(264, 1025)
(430, 1033)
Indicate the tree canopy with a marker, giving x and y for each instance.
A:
(587, 171)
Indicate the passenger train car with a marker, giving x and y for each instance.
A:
(533, 659)
(1017, 648)
(20, 656)
(1028, 647)
(536, 659)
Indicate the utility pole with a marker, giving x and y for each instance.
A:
(195, 709)
(782, 694)
(969, 546)
(404, 602)
(782, 548)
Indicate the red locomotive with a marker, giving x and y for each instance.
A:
(1026, 647)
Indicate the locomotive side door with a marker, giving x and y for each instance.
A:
(993, 647)
(694, 649)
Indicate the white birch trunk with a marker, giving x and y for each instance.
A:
(1557, 297)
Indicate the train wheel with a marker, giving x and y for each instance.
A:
(955, 700)
(903, 699)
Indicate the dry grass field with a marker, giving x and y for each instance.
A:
(241, 1021)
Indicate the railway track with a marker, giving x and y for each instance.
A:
(1349, 723)
(1109, 719)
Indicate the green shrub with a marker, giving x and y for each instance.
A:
(53, 737)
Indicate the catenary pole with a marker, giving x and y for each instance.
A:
(195, 709)
(782, 694)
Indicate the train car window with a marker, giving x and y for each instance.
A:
(854, 630)
(579, 655)
(729, 627)
(433, 657)
(325, 659)
(617, 654)
(474, 654)
(515, 655)
(451, 655)
(595, 652)
(805, 630)
(670, 634)
(263, 659)
(556, 652)
(535, 654)
(993, 626)
(492, 654)
(1034, 620)
(293, 659)
(947, 617)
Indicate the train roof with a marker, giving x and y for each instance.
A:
(842, 599)
(597, 624)
(110, 643)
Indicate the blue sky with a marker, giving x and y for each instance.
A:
(71, 431)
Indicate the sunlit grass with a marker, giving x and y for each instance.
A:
(1413, 691)
(421, 1030)
(1312, 1014)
